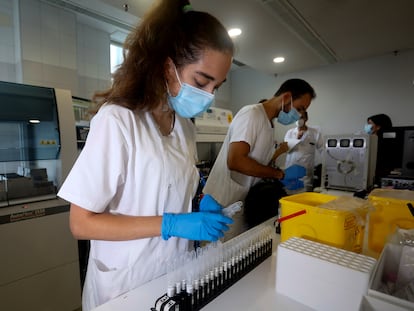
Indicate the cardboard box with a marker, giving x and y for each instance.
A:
(387, 266)
(374, 304)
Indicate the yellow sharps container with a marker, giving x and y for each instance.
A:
(391, 211)
(337, 221)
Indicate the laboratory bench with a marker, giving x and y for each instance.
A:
(308, 275)
(255, 291)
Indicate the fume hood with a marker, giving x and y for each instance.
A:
(213, 124)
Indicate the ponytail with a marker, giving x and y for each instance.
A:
(171, 28)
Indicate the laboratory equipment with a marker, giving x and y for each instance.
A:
(395, 163)
(217, 266)
(212, 125)
(37, 151)
(211, 129)
(349, 162)
(37, 142)
(232, 209)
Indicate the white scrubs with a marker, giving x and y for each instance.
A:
(303, 153)
(128, 168)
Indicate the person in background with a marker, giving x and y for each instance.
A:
(248, 148)
(131, 187)
(308, 141)
(376, 124)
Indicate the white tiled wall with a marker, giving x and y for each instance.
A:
(93, 51)
(7, 42)
(42, 44)
(53, 49)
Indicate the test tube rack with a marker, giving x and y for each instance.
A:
(321, 276)
(207, 272)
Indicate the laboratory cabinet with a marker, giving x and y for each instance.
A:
(39, 265)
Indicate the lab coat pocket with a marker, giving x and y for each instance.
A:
(108, 283)
(237, 191)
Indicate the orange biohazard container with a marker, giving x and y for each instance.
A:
(328, 220)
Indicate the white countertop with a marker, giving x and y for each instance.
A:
(254, 292)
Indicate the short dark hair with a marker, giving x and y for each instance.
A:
(297, 87)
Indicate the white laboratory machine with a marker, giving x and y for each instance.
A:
(349, 162)
(212, 125)
(211, 129)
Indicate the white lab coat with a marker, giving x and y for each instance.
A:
(303, 153)
(127, 167)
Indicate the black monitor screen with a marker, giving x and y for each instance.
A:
(346, 142)
(332, 143)
(358, 143)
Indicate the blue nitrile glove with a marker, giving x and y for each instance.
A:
(294, 172)
(198, 226)
(293, 184)
(209, 204)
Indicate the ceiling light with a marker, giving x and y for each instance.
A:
(34, 121)
(289, 15)
(234, 32)
(278, 59)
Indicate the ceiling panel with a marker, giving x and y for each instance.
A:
(357, 29)
(308, 33)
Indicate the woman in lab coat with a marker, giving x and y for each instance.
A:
(377, 124)
(132, 186)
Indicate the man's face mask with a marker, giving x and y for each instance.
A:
(190, 101)
(290, 117)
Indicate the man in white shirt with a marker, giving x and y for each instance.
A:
(249, 145)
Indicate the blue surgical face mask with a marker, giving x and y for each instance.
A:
(290, 117)
(368, 128)
(190, 101)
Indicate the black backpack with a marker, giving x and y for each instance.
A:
(262, 201)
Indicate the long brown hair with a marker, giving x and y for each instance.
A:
(170, 29)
